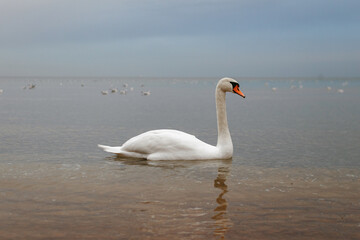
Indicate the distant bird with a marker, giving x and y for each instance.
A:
(1, 91)
(274, 89)
(29, 86)
(104, 92)
(123, 92)
(113, 90)
(145, 93)
(328, 88)
(340, 90)
(125, 85)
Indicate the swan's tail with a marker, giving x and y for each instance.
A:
(110, 149)
(121, 153)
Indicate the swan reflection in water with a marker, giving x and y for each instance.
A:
(222, 222)
(219, 215)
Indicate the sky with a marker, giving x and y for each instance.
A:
(180, 38)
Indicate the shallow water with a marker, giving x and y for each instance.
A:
(295, 171)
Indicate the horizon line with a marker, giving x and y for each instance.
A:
(320, 77)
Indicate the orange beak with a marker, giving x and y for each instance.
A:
(237, 91)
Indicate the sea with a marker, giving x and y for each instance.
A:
(295, 172)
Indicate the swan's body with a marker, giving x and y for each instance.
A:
(164, 144)
(168, 144)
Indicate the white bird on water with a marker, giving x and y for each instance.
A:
(168, 144)
(145, 93)
(113, 90)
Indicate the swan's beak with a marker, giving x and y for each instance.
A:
(237, 91)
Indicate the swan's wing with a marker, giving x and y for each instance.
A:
(153, 141)
(158, 140)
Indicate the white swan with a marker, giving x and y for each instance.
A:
(176, 145)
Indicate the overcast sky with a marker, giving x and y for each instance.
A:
(180, 38)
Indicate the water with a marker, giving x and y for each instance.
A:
(295, 171)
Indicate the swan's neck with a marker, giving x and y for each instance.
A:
(224, 142)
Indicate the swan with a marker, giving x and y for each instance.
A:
(166, 144)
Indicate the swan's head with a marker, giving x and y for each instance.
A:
(230, 85)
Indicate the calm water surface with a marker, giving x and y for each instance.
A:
(295, 173)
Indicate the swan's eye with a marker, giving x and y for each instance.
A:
(236, 89)
(234, 85)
